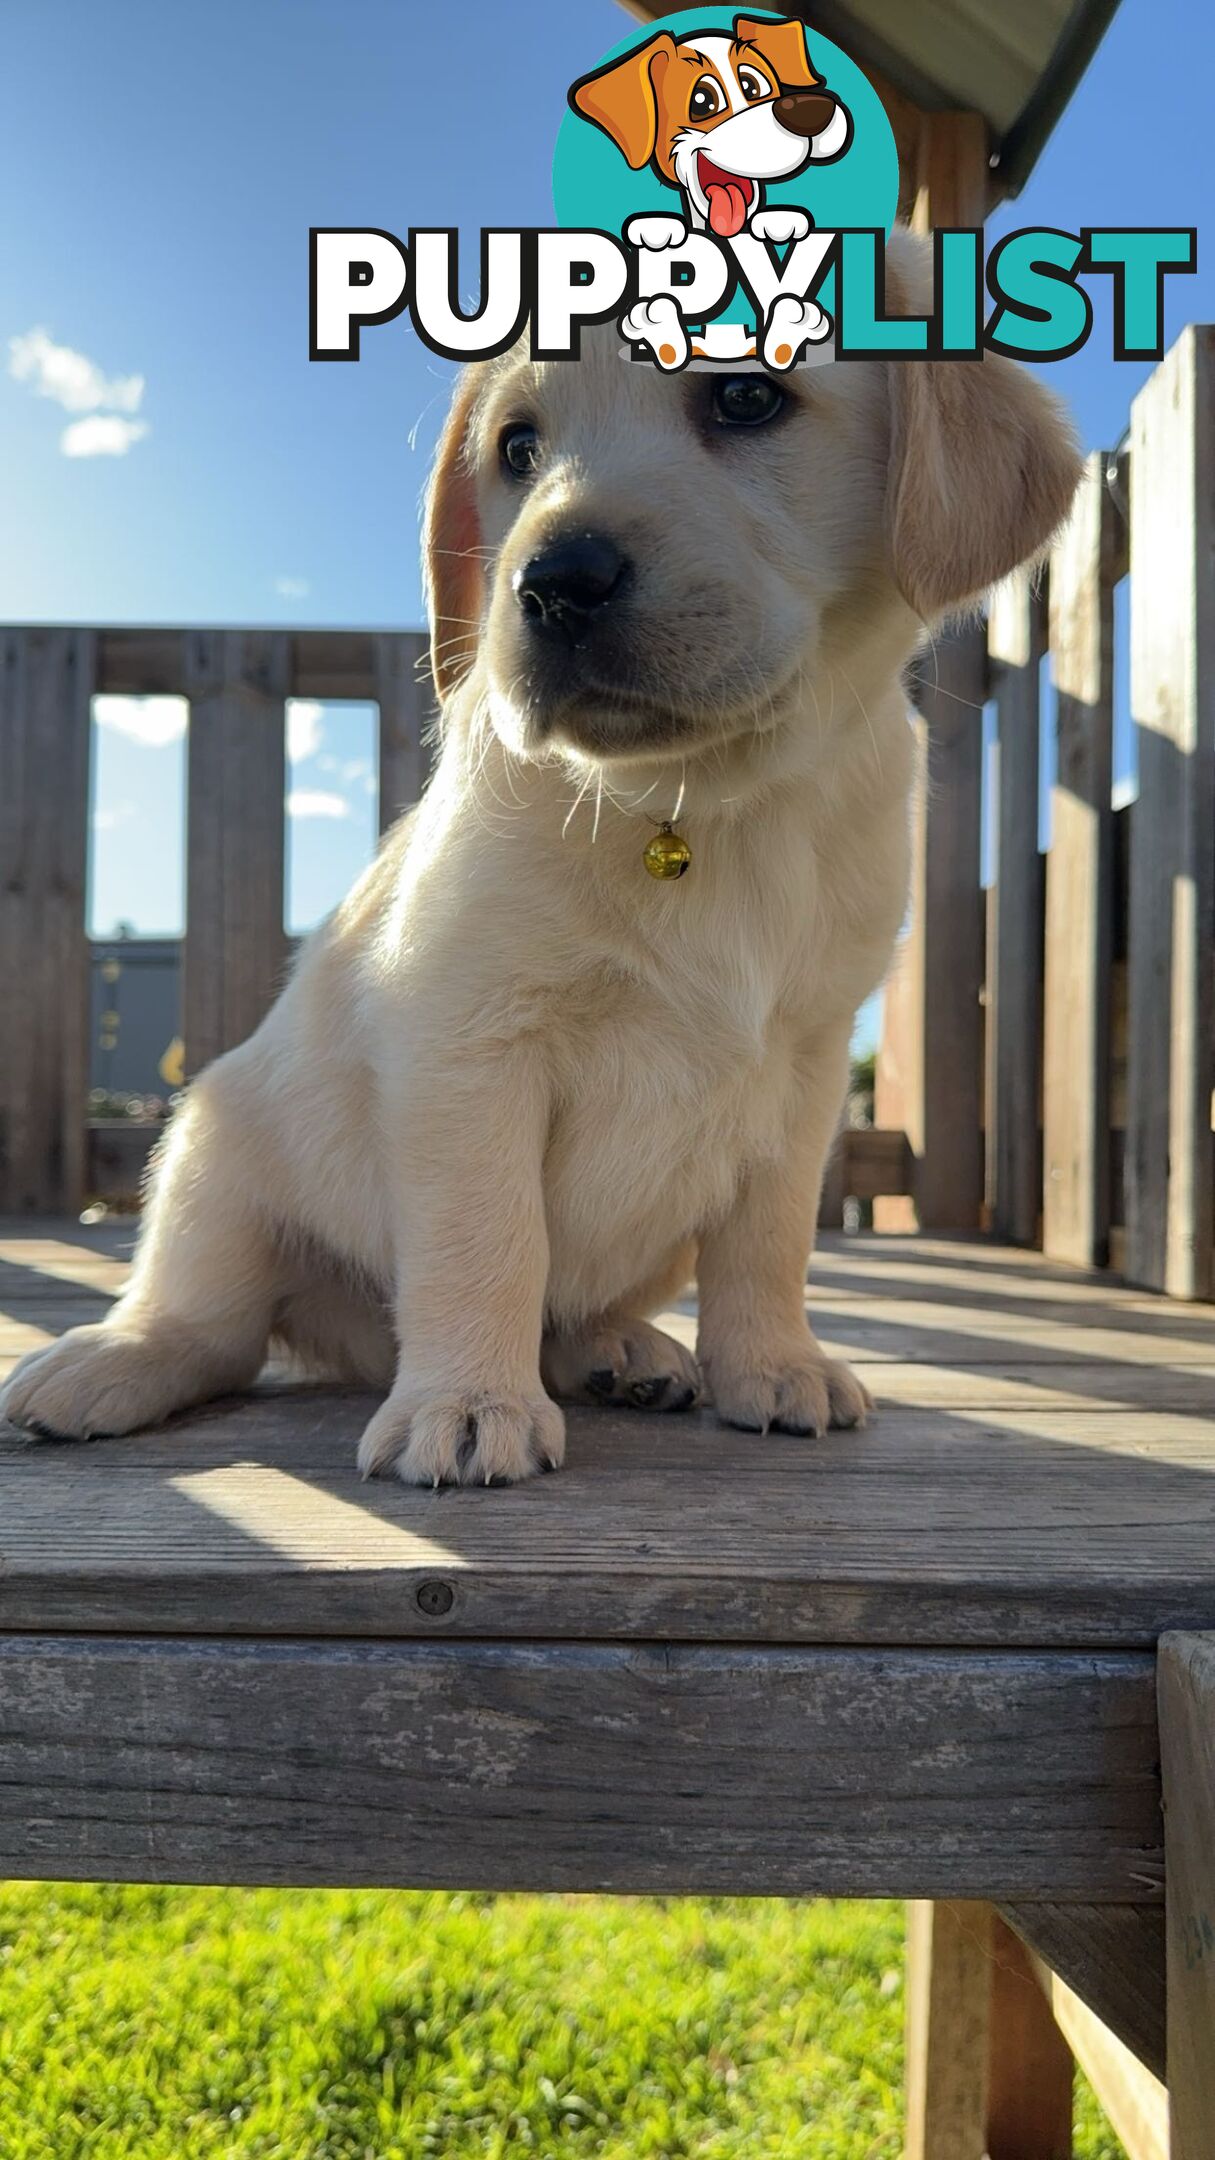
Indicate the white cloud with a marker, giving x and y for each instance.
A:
(101, 435)
(315, 802)
(153, 721)
(305, 732)
(292, 588)
(110, 819)
(76, 383)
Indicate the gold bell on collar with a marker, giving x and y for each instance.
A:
(668, 854)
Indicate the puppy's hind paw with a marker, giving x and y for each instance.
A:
(96, 1381)
(458, 1439)
(791, 325)
(658, 324)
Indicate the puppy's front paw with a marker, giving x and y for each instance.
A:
(93, 1381)
(656, 231)
(634, 1366)
(658, 324)
(473, 1439)
(780, 223)
(797, 1390)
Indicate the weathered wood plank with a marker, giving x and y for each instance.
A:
(1079, 883)
(1170, 1224)
(1112, 1958)
(948, 2012)
(1015, 643)
(929, 1065)
(46, 683)
(235, 944)
(1187, 1746)
(547, 1767)
(249, 1518)
(321, 663)
(407, 712)
(1030, 2075)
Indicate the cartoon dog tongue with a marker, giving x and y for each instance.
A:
(727, 208)
(727, 196)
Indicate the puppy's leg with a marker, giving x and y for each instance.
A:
(622, 1359)
(194, 1319)
(468, 1405)
(763, 1365)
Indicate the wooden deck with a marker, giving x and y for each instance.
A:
(916, 1661)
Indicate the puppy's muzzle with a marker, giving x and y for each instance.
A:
(563, 591)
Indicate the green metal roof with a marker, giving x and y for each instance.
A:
(1015, 61)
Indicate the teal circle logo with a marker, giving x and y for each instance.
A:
(650, 95)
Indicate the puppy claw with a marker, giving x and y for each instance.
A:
(449, 1441)
(789, 1393)
(631, 1366)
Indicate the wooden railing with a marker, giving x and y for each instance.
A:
(1049, 1049)
(235, 948)
(1046, 1064)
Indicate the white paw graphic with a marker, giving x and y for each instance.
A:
(657, 323)
(792, 324)
(655, 232)
(781, 223)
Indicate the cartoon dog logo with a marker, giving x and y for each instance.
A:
(715, 117)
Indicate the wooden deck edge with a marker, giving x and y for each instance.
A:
(580, 1767)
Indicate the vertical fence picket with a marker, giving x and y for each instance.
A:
(1015, 637)
(1171, 1010)
(235, 946)
(46, 683)
(1079, 884)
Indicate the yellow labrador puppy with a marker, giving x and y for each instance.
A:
(519, 1089)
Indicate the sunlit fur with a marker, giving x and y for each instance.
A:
(516, 1088)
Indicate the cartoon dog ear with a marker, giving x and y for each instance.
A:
(453, 566)
(783, 46)
(622, 98)
(983, 460)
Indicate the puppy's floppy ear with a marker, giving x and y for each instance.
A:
(622, 98)
(453, 565)
(983, 464)
(783, 45)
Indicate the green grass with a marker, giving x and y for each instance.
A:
(140, 2024)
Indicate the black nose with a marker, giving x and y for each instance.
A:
(561, 590)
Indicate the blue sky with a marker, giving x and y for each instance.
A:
(161, 167)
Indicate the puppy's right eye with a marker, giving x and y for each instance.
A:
(519, 450)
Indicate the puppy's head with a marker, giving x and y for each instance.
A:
(635, 565)
(717, 115)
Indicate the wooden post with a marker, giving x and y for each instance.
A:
(929, 1070)
(1171, 1025)
(1015, 640)
(930, 1062)
(407, 711)
(235, 946)
(948, 2025)
(46, 683)
(1029, 2085)
(1186, 1691)
(1079, 884)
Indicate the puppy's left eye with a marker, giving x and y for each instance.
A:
(519, 450)
(752, 85)
(706, 99)
(746, 400)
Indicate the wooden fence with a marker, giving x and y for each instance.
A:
(1049, 1047)
(235, 948)
(1046, 1064)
